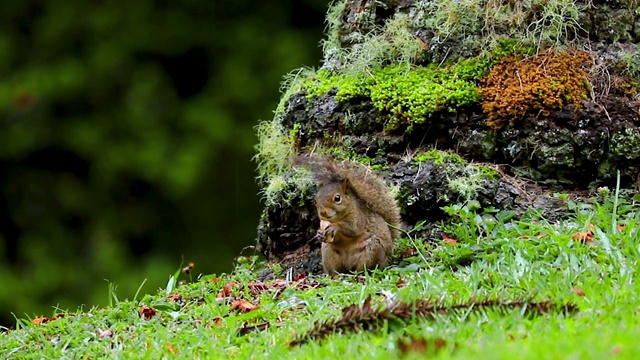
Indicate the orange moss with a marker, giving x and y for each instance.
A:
(539, 84)
(623, 85)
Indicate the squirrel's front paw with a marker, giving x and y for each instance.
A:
(326, 233)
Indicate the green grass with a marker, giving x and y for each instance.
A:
(497, 256)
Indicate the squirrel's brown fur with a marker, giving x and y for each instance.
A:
(355, 210)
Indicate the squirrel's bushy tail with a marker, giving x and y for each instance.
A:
(324, 168)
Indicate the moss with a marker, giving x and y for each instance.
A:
(294, 136)
(378, 167)
(626, 143)
(344, 153)
(463, 178)
(489, 172)
(292, 84)
(275, 149)
(285, 188)
(416, 95)
(323, 82)
(535, 85)
(511, 47)
(439, 157)
(552, 155)
(631, 61)
(407, 96)
(467, 183)
(403, 197)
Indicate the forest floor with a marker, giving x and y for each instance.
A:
(492, 287)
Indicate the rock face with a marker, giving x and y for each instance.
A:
(524, 99)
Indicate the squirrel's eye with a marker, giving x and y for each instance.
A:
(337, 199)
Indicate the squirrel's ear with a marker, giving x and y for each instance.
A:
(345, 186)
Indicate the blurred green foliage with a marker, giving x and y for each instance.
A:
(126, 137)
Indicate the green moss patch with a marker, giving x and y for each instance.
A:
(439, 157)
(408, 95)
(463, 178)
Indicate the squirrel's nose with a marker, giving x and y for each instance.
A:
(323, 213)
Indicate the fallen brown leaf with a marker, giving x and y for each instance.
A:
(147, 312)
(243, 305)
(258, 288)
(43, 319)
(175, 297)
(280, 283)
(171, 349)
(413, 345)
(58, 316)
(439, 343)
(301, 276)
(583, 236)
(578, 291)
(40, 320)
(449, 240)
(226, 290)
(421, 345)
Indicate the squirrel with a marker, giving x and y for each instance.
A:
(358, 216)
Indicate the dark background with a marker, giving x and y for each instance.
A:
(126, 138)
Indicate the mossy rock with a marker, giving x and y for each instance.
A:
(536, 90)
